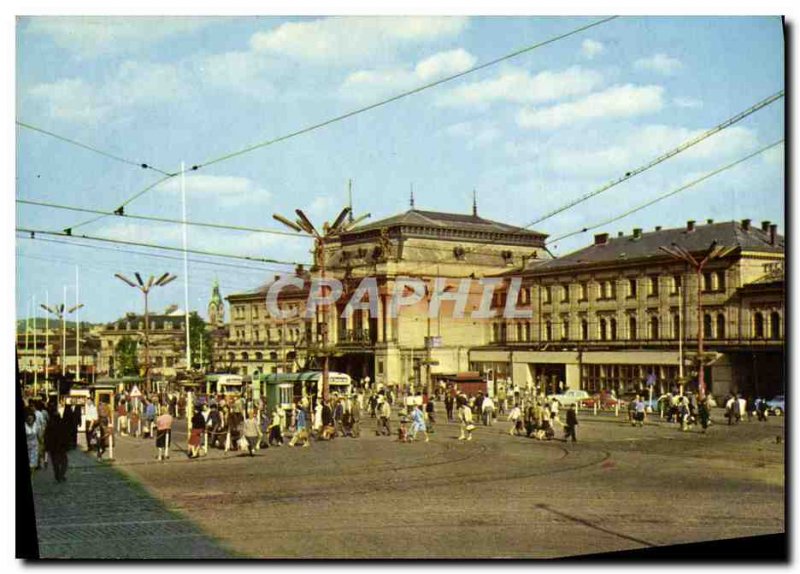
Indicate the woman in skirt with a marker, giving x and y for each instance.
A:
(198, 427)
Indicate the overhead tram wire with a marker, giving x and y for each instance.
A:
(93, 149)
(352, 113)
(405, 94)
(669, 194)
(660, 159)
(34, 232)
(73, 243)
(158, 219)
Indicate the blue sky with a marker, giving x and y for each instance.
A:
(528, 134)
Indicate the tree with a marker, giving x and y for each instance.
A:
(200, 341)
(127, 359)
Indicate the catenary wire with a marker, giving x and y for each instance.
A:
(139, 164)
(34, 232)
(161, 219)
(668, 194)
(352, 113)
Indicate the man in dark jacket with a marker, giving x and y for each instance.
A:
(571, 423)
(57, 438)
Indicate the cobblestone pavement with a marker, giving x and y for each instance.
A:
(618, 488)
(98, 513)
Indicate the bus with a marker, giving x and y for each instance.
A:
(284, 389)
(223, 384)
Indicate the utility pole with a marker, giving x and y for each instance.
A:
(35, 354)
(185, 270)
(47, 344)
(303, 225)
(61, 311)
(680, 338)
(698, 263)
(77, 328)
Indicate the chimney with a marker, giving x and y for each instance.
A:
(601, 239)
(709, 221)
(773, 234)
(765, 226)
(690, 225)
(637, 232)
(658, 228)
(745, 224)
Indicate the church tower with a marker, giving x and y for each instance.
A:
(216, 308)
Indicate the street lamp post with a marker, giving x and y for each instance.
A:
(698, 263)
(303, 225)
(61, 312)
(145, 289)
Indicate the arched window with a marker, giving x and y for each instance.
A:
(758, 326)
(720, 326)
(708, 332)
(603, 330)
(720, 281)
(565, 328)
(654, 327)
(584, 329)
(519, 332)
(273, 356)
(245, 356)
(775, 325)
(632, 328)
(231, 357)
(259, 356)
(676, 326)
(548, 331)
(612, 329)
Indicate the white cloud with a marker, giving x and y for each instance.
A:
(372, 83)
(687, 102)
(774, 156)
(474, 134)
(89, 36)
(660, 63)
(321, 206)
(615, 102)
(344, 40)
(225, 189)
(133, 84)
(591, 48)
(518, 85)
(245, 72)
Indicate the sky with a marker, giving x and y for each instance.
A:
(527, 135)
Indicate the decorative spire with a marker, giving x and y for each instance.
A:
(411, 202)
(474, 203)
(350, 199)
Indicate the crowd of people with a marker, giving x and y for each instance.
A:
(247, 425)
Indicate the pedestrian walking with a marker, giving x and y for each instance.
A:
(513, 418)
(198, 426)
(638, 412)
(418, 424)
(704, 413)
(384, 412)
(163, 433)
(301, 429)
(487, 408)
(430, 415)
(275, 435)
(355, 412)
(251, 432)
(89, 419)
(571, 423)
(57, 442)
(467, 427)
(32, 440)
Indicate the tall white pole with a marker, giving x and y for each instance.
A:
(35, 354)
(680, 338)
(185, 270)
(27, 324)
(47, 344)
(64, 336)
(77, 328)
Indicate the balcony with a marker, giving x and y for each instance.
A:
(357, 337)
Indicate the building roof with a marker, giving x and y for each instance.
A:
(642, 246)
(439, 220)
(287, 292)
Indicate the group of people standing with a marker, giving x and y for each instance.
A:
(49, 434)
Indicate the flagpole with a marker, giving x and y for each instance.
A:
(185, 271)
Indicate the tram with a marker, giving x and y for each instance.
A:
(284, 389)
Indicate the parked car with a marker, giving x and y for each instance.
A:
(604, 401)
(776, 406)
(571, 397)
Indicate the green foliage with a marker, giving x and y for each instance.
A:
(199, 339)
(126, 361)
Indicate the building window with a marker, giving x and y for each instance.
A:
(758, 326)
(565, 294)
(273, 356)
(676, 326)
(495, 332)
(632, 328)
(603, 330)
(708, 281)
(245, 356)
(565, 328)
(720, 276)
(259, 356)
(255, 312)
(548, 331)
(654, 328)
(652, 286)
(632, 288)
(584, 329)
(707, 327)
(677, 282)
(168, 325)
(775, 325)
(231, 357)
(584, 291)
(720, 326)
(519, 332)
(547, 294)
(612, 329)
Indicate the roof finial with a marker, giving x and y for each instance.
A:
(411, 202)
(350, 199)
(474, 203)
